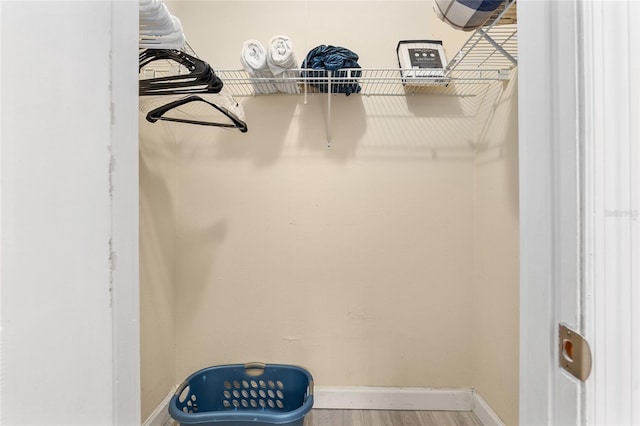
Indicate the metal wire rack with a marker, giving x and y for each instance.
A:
(493, 46)
(367, 82)
(489, 55)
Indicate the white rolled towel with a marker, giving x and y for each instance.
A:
(254, 62)
(282, 63)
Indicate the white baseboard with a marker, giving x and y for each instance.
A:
(391, 398)
(484, 412)
(160, 416)
(378, 398)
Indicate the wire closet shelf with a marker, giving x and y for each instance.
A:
(370, 82)
(489, 55)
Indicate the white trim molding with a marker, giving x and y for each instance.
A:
(483, 411)
(392, 398)
(123, 193)
(550, 215)
(160, 416)
(535, 151)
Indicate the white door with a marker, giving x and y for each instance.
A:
(579, 151)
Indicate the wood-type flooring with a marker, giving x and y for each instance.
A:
(320, 417)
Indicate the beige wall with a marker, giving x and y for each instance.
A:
(157, 264)
(356, 261)
(496, 260)
(344, 260)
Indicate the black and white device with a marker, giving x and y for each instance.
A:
(419, 60)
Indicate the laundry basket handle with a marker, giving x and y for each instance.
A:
(255, 368)
(180, 390)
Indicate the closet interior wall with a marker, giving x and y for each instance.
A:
(377, 261)
(496, 281)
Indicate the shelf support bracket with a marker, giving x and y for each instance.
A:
(329, 74)
(498, 47)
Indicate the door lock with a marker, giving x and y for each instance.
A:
(574, 353)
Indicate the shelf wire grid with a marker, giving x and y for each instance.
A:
(369, 82)
(489, 55)
(493, 46)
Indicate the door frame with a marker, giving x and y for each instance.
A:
(609, 238)
(124, 177)
(542, 123)
(596, 53)
(541, 166)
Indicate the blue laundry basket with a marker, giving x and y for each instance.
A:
(244, 395)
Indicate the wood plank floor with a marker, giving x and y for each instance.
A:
(320, 417)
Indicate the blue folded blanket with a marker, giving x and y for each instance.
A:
(337, 59)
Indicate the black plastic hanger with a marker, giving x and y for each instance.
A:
(199, 85)
(158, 113)
(200, 79)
